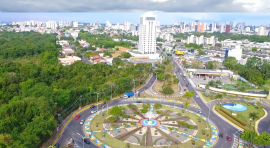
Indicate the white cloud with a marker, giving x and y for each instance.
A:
(159, 1)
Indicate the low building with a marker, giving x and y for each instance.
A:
(68, 60)
(234, 51)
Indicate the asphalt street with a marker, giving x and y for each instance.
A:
(73, 129)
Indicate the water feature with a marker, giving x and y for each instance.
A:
(234, 106)
(150, 122)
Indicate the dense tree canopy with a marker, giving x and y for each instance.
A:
(33, 92)
(103, 40)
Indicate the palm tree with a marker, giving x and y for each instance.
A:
(186, 105)
(253, 116)
(218, 96)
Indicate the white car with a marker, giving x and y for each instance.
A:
(93, 111)
(82, 121)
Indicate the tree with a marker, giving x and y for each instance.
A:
(212, 64)
(196, 64)
(125, 55)
(117, 61)
(112, 119)
(189, 94)
(253, 116)
(157, 106)
(175, 80)
(218, 45)
(258, 103)
(254, 49)
(167, 90)
(160, 76)
(167, 76)
(219, 96)
(249, 136)
(263, 139)
(230, 62)
(186, 105)
(116, 111)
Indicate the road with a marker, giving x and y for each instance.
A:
(222, 126)
(73, 127)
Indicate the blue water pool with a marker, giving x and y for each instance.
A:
(234, 106)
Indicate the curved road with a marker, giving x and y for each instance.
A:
(73, 127)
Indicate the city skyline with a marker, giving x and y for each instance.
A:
(256, 19)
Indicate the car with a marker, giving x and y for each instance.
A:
(93, 111)
(139, 102)
(103, 103)
(82, 121)
(86, 140)
(152, 81)
(221, 135)
(93, 106)
(103, 106)
(77, 117)
(229, 138)
(199, 111)
(57, 145)
(240, 131)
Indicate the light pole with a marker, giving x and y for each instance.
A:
(134, 88)
(97, 99)
(82, 137)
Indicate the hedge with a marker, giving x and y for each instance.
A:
(236, 119)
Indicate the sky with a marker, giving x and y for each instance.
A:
(165, 18)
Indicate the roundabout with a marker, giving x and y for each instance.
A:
(167, 126)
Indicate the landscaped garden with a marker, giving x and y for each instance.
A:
(245, 119)
(150, 125)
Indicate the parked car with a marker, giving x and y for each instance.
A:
(139, 102)
(199, 111)
(152, 81)
(82, 121)
(93, 106)
(93, 111)
(86, 140)
(77, 117)
(229, 138)
(57, 145)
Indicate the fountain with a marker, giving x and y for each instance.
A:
(149, 115)
(150, 122)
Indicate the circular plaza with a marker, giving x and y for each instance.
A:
(149, 125)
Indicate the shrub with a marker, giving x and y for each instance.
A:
(111, 119)
(159, 112)
(125, 116)
(190, 126)
(144, 110)
(114, 126)
(230, 115)
(135, 113)
(179, 114)
(133, 123)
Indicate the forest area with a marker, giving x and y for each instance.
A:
(33, 93)
(104, 40)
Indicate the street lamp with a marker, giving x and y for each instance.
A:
(97, 99)
(82, 137)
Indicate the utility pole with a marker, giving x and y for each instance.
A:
(82, 138)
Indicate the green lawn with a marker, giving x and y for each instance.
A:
(244, 115)
(267, 83)
(201, 126)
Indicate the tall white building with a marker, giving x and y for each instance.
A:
(127, 26)
(221, 28)
(75, 24)
(147, 34)
(51, 24)
(234, 51)
(261, 30)
(108, 24)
